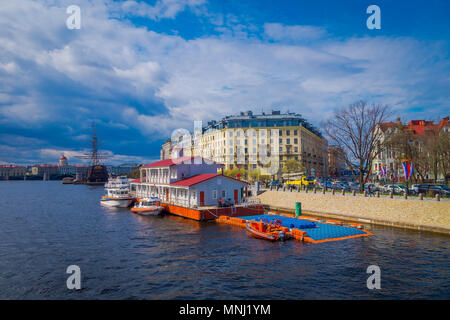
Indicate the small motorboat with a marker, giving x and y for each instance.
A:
(271, 231)
(147, 207)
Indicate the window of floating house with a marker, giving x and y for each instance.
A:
(224, 193)
(214, 194)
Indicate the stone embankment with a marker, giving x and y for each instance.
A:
(426, 215)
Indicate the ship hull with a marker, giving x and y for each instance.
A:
(116, 203)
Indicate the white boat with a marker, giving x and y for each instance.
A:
(117, 193)
(147, 207)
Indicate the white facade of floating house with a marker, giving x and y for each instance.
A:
(189, 183)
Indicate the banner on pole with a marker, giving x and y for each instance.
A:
(407, 168)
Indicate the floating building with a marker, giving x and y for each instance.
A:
(192, 187)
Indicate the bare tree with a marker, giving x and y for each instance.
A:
(444, 143)
(353, 129)
(429, 151)
(401, 141)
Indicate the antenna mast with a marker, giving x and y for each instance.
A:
(94, 156)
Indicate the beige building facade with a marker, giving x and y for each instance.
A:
(255, 142)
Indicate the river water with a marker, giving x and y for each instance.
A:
(47, 226)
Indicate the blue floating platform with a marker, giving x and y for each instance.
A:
(317, 231)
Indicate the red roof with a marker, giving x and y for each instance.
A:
(195, 179)
(200, 178)
(171, 162)
(419, 127)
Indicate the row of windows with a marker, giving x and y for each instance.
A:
(256, 123)
(254, 150)
(223, 194)
(262, 133)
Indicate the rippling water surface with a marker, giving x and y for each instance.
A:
(47, 226)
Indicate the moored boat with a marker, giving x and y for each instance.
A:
(271, 231)
(147, 207)
(117, 193)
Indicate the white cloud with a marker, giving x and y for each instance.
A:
(9, 67)
(53, 155)
(142, 74)
(162, 9)
(131, 77)
(278, 31)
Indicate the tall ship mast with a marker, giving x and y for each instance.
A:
(97, 173)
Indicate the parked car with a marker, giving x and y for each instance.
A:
(373, 187)
(440, 189)
(415, 188)
(275, 184)
(340, 186)
(326, 183)
(395, 188)
(420, 188)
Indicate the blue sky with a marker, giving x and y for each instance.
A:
(141, 69)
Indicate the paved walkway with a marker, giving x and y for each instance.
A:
(430, 215)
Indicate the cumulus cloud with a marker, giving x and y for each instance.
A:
(72, 156)
(132, 78)
(162, 9)
(278, 31)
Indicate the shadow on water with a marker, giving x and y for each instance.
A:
(45, 227)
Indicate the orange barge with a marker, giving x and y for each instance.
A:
(210, 213)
